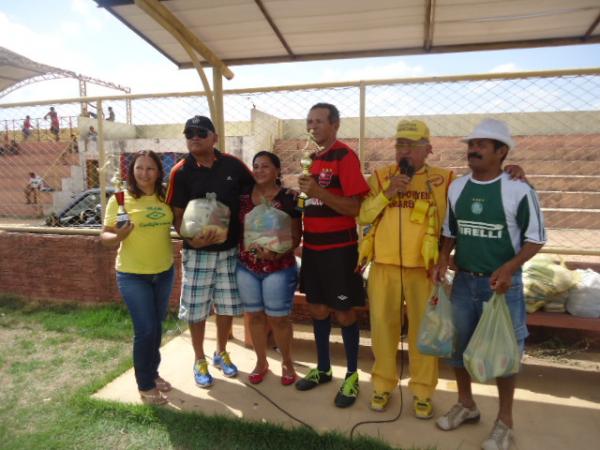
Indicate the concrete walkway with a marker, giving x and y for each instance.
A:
(556, 407)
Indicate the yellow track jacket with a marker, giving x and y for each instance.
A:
(387, 248)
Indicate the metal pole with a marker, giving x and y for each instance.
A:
(362, 124)
(102, 165)
(128, 111)
(219, 113)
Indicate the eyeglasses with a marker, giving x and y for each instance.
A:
(191, 133)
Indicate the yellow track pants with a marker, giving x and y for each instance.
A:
(385, 288)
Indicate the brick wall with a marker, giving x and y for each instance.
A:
(58, 267)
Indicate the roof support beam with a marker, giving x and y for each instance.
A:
(151, 8)
(274, 27)
(429, 25)
(167, 19)
(219, 116)
(591, 29)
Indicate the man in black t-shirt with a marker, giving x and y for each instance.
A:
(208, 264)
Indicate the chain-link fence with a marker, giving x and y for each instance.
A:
(554, 117)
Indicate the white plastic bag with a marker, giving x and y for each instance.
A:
(268, 227)
(493, 350)
(436, 335)
(203, 214)
(584, 299)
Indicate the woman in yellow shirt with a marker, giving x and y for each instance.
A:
(144, 266)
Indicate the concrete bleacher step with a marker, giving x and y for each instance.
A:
(25, 211)
(569, 199)
(19, 177)
(27, 162)
(34, 147)
(587, 183)
(526, 155)
(556, 167)
(572, 218)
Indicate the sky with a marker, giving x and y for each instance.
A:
(76, 35)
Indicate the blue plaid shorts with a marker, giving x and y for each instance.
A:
(208, 278)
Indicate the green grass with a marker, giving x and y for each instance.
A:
(53, 358)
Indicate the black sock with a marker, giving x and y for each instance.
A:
(350, 335)
(322, 329)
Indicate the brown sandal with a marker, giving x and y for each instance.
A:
(152, 397)
(162, 385)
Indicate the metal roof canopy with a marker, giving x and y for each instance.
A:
(17, 71)
(267, 31)
(218, 33)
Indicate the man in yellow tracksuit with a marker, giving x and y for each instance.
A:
(406, 205)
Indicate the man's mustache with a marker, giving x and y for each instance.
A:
(474, 155)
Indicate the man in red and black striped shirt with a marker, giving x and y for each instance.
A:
(335, 189)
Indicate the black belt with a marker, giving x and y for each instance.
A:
(476, 274)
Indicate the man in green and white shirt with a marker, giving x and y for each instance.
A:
(496, 225)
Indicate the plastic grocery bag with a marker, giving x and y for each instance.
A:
(203, 214)
(546, 283)
(436, 335)
(584, 300)
(493, 351)
(268, 227)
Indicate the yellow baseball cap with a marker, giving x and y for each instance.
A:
(413, 130)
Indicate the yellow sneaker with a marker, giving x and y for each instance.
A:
(423, 408)
(379, 401)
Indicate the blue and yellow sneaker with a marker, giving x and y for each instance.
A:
(201, 376)
(223, 362)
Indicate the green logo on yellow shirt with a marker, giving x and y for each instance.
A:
(155, 215)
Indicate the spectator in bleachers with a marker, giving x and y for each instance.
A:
(27, 128)
(36, 184)
(54, 123)
(111, 114)
(92, 134)
(74, 145)
(14, 148)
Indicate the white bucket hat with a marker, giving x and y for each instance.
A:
(492, 129)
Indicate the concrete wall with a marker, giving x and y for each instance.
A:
(571, 122)
(112, 130)
(175, 130)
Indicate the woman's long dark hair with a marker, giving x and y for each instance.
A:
(274, 159)
(132, 186)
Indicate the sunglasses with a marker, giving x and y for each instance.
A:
(191, 133)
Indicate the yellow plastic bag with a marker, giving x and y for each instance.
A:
(430, 245)
(366, 248)
(436, 335)
(493, 350)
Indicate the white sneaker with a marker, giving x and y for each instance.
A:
(457, 415)
(499, 439)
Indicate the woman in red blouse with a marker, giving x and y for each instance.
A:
(267, 280)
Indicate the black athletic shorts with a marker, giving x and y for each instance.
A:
(327, 277)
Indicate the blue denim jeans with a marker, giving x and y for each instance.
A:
(469, 293)
(147, 298)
